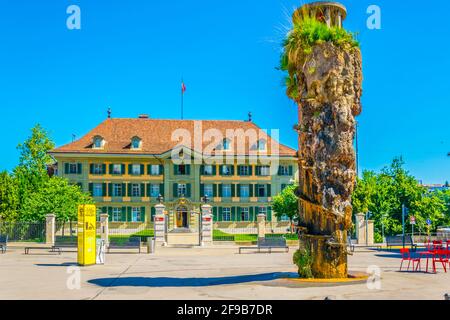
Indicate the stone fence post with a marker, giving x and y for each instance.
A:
(206, 231)
(261, 223)
(104, 228)
(50, 229)
(160, 225)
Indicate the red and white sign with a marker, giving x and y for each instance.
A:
(412, 220)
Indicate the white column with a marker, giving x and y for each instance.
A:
(207, 225)
(160, 225)
(360, 228)
(261, 221)
(328, 17)
(104, 228)
(50, 229)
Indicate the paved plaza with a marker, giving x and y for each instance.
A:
(202, 273)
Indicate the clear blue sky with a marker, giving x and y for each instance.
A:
(131, 55)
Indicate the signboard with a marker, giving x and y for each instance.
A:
(429, 222)
(86, 234)
(412, 220)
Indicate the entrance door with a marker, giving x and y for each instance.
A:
(182, 218)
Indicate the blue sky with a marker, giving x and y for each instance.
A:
(131, 55)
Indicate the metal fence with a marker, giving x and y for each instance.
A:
(66, 231)
(122, 231)
(23, 231)
(248, 231)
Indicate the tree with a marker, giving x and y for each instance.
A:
(9, 197)
(286, 204)
(56, 196)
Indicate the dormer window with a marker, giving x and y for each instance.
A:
(262, 145)
(135, 143)
(226, 144)
(98, 142)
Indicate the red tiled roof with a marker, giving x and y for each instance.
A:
(156, 136)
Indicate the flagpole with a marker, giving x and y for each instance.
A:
(182, 98)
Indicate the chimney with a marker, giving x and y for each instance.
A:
(143, 116)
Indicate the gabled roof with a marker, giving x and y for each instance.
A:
(156, 136)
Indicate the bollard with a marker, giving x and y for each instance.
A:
(150, 245)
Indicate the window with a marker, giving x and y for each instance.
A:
(244, 170)
(181, 189)
(116, 214)
(135, 190)
(245, 191)
(73, 168)
(227, 170)
(116, 169)
(182, 169)
(135, 214)
(117, 190)
(226, 214)
(97, 168)
(262, 210)
(209, 190)
(135, 143)
(226, 190)
(265, 170)
(208, 170)
(283, 170)
(261, 190)
(98, 190)
(226, 144)
(154, 170)
(135, 169)
(245, 215)
(98, 143)
(262, 145)
(154, 190)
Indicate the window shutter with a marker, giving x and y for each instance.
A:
(279, 170)
(251, 189)
(233, 214)
(110, 189)
(79, 168)
(215, 186)
(147, 188)
(152, 214)
(103, 168)
(124, 189)
(188, 169)
(214, 170)
(122, 171)
(104, 189)
(149, 169)
(161, 169)
(269, 214)
(251, 212)
(220, 214)
(233, 190)
(188, 190)
(214, 212)
(142, 169)
(128, 214)
(202, 169)
(161, 189)
(130, 170)
(111, 168)
(232, 170)
(291, 170)
(258, 170)
(91, 168)
(250, 170)
(175, 190)
(91, 188)
(256, 213)
(202, 190)
(142, 214)
(104, 210)
(128, 189)
(221, 170)
(269, 190)
(238, 187)
(123, 216)
(220, 190)
(175, 169)
(109, 213)
(142, 190)
(66, 168)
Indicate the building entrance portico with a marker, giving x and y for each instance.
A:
(181, 217)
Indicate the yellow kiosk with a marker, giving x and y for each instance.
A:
(86, 234)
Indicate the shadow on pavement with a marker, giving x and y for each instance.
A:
(188, 282)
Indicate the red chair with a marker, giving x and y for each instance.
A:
(437, 244)
(440, 256)
(406, 256)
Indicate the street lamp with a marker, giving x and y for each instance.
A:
(160, 198)
(205, 199)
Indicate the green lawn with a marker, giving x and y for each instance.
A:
(219, 235)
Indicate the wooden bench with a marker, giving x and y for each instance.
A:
(51, 249)
(71, 243)
(3, 243)
(398, 241)
(130, 243)
(268, 244)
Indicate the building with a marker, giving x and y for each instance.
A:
(127, 163)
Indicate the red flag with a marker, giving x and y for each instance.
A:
(183, 87)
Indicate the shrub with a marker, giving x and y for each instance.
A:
(303, 259)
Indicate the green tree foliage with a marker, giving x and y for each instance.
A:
(9, 197)
(286, 203)
(56, 196)
(384, 193)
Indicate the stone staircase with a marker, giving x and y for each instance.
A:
(182, 237)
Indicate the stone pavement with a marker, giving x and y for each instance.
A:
(202, 273)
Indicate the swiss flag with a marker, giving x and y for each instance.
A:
(183, 87)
